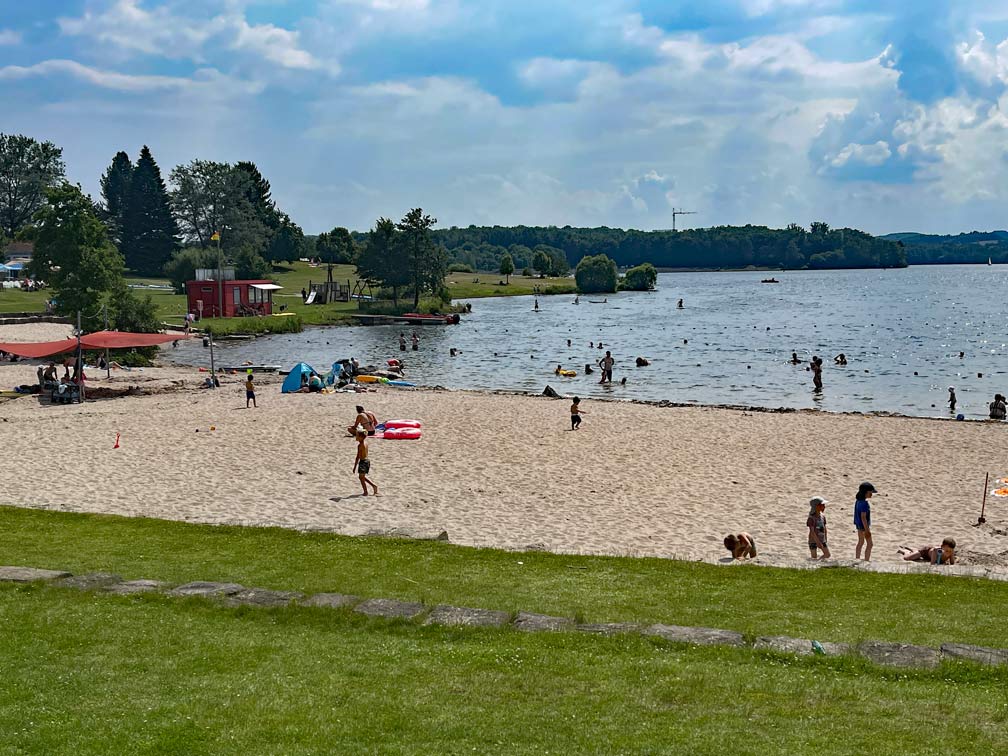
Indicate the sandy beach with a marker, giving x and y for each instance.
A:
(503, 470)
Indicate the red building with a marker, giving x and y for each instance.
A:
(239, 298)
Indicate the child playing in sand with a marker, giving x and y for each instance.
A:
(817, 527)
(740, 545)
(862, 520)
(944, 554)
(575, 410)
(362, 465)
(249, 391)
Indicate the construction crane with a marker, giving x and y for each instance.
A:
(677, 213)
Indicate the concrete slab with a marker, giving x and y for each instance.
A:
(29, 574)
(536, 623)
(91, 582)
(332, 600)
(390, 608)
(800, 646)
(204, 588)
(900, 654)
(463, 616)
(131, 587)
(699, 636)
(608, 628)
(979, 654)
(263, 597)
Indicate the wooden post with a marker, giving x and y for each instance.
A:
(983, 507)
(213, 371)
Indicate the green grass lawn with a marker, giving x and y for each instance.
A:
(15, 300)
(95, 674)
(827, 605)
(462, 285)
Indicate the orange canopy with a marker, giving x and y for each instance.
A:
(97, 340)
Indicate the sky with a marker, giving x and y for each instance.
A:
(884, 115)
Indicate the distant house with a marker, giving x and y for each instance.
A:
(18, 252)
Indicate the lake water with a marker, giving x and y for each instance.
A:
(729, 345)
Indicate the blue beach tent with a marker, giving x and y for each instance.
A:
(292, 382)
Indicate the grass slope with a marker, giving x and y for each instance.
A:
(93, 674)
(833, 605)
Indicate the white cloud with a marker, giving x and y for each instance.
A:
(207, 80)
(987, 63)
(165, 31)
(9, 37)
(866, 154)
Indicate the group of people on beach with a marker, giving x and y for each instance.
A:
(743, 545)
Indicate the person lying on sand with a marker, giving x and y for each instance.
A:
(944, 554)
(365, 420)
(740, 545)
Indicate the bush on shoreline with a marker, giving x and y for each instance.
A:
(256, 326)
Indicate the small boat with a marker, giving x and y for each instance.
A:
(989, 261)
(769, 280)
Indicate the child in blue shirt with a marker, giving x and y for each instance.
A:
(862, 520)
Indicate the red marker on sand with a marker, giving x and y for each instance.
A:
(117, 442)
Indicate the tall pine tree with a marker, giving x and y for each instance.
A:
(115, 192)
(150, 233)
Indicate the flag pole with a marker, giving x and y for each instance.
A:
(220, 280)
(983, 507)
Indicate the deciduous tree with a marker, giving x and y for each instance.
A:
(27, 169)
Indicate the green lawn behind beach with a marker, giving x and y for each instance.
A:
(90, 673)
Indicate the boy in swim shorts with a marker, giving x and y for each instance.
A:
(575, 411)
(249, 391)
(362, 465)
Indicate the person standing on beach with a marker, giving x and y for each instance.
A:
(249, 391)
(362, 465)
(606, 363)
(862, 520)
(817, 527)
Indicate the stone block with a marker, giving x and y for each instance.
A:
(263, 597)
(90, 582)
(464, 616)
(698, 636)
(332, 600)
(390, 608)
(608, 628)
(799, 646)
(899, 654)
(130, 587)
(979, 654)
(206, 589)
(29, 574)
(537, 623)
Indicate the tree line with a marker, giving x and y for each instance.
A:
(794, 247)
(975, 247)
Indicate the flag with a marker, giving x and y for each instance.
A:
(216, 236)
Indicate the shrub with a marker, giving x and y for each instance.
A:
(596, 274)
(640, 278)
(458, 267)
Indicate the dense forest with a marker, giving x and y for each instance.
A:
(794, 247)
(973, 247)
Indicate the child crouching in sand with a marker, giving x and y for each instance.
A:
(740, 545)
(362, 465)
